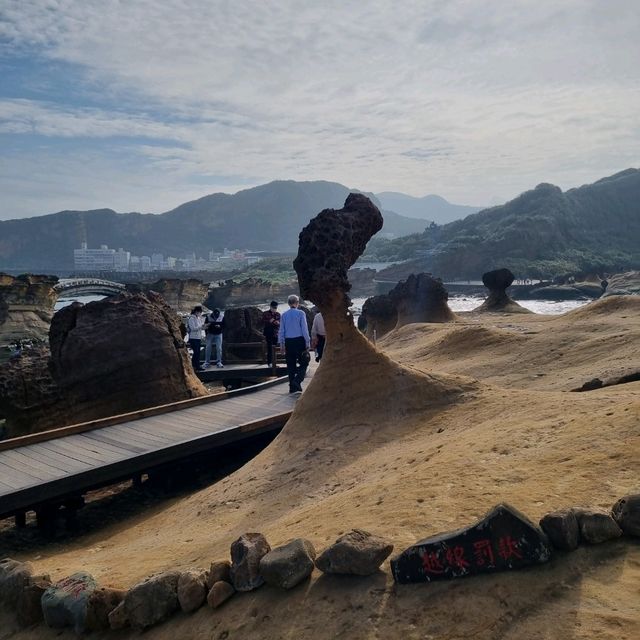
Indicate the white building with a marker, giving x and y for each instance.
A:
(102, 259)
(121, 260)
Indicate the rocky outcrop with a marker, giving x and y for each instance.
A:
(623, 284)
(116, 355)
(362, 281)
(379, 316)
(498, 299)
(247, 292)
(26, 307)
(421, 298)
(180, 295)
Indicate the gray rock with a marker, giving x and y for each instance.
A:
(562, 529)
(192, 589)
(246, 553)
(64, 603)
(220, 570)
(357, 552)
(220, 592)
(101, 603)
(152, 600)
(28, 606)
(626, 513)
(118, 617)
(596, 526)
(289, 564)
(14, 576)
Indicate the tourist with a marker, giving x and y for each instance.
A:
(318, 335)
(214, 326)
(294, 338)
(270, 329)
(195, 325)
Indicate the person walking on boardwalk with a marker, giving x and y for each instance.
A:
(195, 325)
(271, 327)
(214, 326)
(294, 338)
(318, 335)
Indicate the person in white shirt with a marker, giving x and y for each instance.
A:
(195, 325)
(318, 335)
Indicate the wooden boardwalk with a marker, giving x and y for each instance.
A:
(64, 463)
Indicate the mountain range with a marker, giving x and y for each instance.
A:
(543, 232)
(433, 208)
(268, 217)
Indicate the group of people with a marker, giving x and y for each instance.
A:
(288, 330)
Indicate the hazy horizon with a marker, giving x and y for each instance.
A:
(142, 107)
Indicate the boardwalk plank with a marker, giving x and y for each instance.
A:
(31, 466)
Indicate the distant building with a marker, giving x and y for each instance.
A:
(121, 260)
(102, 259)
(157, 260)
(145, 263)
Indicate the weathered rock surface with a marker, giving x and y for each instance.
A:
(596, 526)
(65, 603)
(251, 291)
(112, 356)
(152, 600)
(220, 571)
(289, 564)
(503, 540)
(29, 604)
(562, 529)
(14, 576)
(101, 603)
(623, 284)
(362, 281)
(180, 295)
(498, 300)
(26, 307)
(379, 316)
(118, 617)
(626, 513)
(357, 553)
(192, 589)
(421, 298)
(220, 592)
(246, 553)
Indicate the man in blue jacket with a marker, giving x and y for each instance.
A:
(294, 338)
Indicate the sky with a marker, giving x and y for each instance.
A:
(140, 105)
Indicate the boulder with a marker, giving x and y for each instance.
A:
(626, 513)
(498, 300)
(192, 589)
(152, 600)
(379, 316)
(29, 604)
(101, 603)
(65, 603)
(503, 540)
(421, 298)
(220, 570)
(289, 564)
(220, 592)
(118, 617)
(246, 553)
(562, 529)
(357, 553)
(14, 577)
(596, 526)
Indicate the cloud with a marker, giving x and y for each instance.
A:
(455, 97)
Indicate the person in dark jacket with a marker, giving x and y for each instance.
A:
(270, 328)
(214, 327)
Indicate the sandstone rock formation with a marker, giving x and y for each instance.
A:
(26, 307)
(108, 357)
(421, 298)
(247, 292)
(498, 300)
(379, 316)
(623, 284)
(357, 552)
(180, 295)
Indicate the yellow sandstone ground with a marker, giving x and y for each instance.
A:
(421, 436)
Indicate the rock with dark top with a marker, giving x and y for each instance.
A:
(14, 576)
(596, 526)
(289, 564)
(626, 513)
(220, 570)
(498, 300)
(65, 603)
(562, 529)
(357, 553)
(192, 589)
(152, 600)
(379, 315)
(421, 298)
(220, 592)
(101, 603)
(29, 604)
(503, 540)
(246, 553)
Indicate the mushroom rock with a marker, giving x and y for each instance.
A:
(421, 298)
(498, 300)
(108, 357)
(379, 316)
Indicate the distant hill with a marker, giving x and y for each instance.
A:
(432, 208)
(543, 232)
(268, 217)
